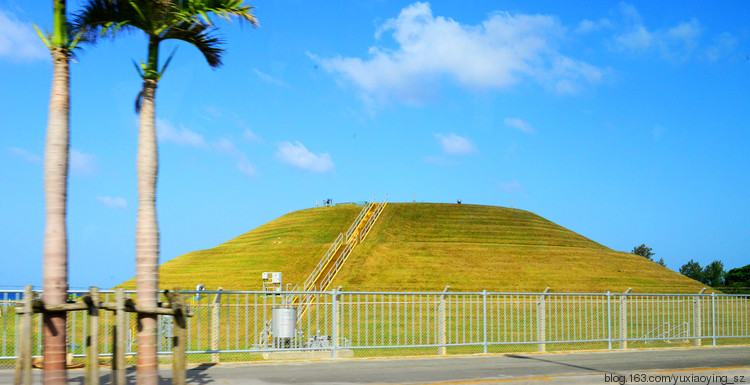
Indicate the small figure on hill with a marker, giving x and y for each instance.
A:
(459, 201)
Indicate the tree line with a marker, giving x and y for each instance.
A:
(736, 280)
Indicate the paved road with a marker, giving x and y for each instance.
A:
(682, 366)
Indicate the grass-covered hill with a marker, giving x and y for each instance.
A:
(424, 247)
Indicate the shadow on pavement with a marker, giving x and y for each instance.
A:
(198, 375)
(557, 363)
(193, 376)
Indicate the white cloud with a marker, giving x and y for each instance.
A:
(455, 145)
(115, 203)
(82, 164)
(519, 124)
(243, 165)
(723, 44)
(26, 155)
(439, 161)
(686, 32)
(638, 38)
(587, 26)
(251, 137)
(166, 132)
(270, 79)
(502, 50)
(18, 40)
(299, 156)
(675, 42)
(511, 187)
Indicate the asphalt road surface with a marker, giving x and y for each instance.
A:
(706, 365)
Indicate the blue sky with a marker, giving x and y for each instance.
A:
(625, 122)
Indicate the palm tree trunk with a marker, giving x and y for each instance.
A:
(147, 237)
(55, 264)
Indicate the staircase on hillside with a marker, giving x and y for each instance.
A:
(334, 258)
(329, 265)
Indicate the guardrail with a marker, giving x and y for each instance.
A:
(357, 220)
(323, 262)
(373, 218)
(229, 325)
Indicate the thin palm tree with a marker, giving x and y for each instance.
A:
(160, 20)
(55, 248)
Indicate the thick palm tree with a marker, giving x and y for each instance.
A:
(55, 248)
(160, 20)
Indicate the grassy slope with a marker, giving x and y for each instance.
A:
(292, 244)
(424, 247)
(472, 248)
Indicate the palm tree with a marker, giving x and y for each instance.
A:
(160, 20)
(55, 249)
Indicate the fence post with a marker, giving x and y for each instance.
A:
(713, 318)
(442, 350)
(23, 362)
(118, 353)
(697, 319)
(336, 322)
(541, 321)
(484, 320)
(609, 320)
(215, 327)
(179, 337)
(92, 340)
(624, 320)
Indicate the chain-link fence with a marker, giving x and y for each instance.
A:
(249, 325)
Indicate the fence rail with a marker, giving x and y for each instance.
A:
(235, 323)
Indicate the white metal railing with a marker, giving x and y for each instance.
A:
(336, 265)
(349, 242)
(323, 262)
(305, 301)
(357, 221)
(237, 322)
(289, 298)
(372, 219)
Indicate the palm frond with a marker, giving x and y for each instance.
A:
(185, 20)
(46, 38)
(138, 102)
(166, 64)
(104, 18)
(198, 10)
(199, 35)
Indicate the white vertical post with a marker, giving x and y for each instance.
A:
(541, 321)
(484, 320)
(121, 340)
(23, 362)
(336, 321)
(697, 319)
(624, 320)
(713, 318)
(442, 350)
(92, 340)
(609, 320)
(215, 327)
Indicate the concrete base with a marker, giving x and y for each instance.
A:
(306, 355)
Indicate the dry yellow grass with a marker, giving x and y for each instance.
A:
(424, 247)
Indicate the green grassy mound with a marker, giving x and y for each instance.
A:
(424, 247)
